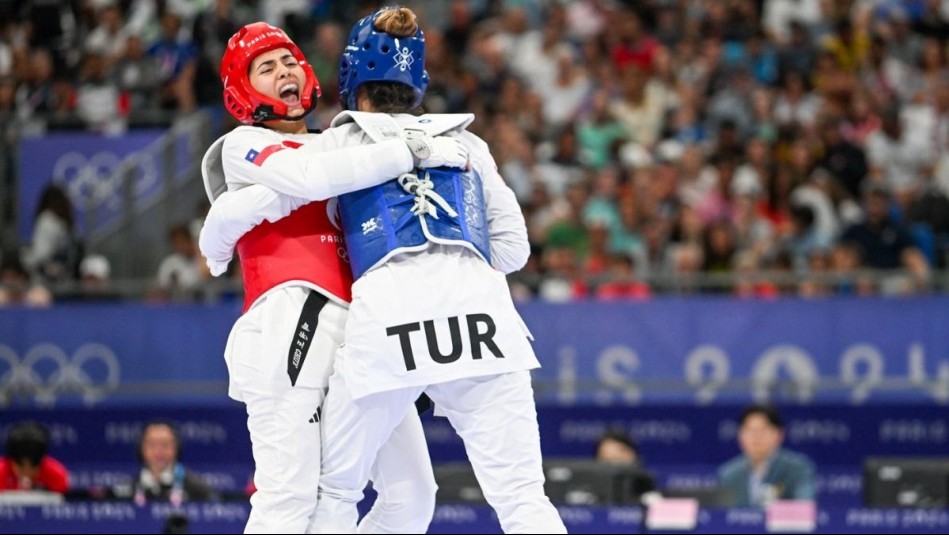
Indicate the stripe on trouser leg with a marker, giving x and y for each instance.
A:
(306, 330)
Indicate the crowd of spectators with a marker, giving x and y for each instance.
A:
(753, 147)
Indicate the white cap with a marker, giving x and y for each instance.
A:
(632, 155)
(669, 150)
(95, 265)
(746, 182)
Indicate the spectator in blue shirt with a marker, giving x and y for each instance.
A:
(176, 64)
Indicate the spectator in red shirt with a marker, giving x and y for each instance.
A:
(26, 465)
(623, 282)
(635, 47)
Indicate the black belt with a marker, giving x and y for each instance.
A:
(306, 330)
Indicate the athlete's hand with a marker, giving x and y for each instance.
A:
(440, 151)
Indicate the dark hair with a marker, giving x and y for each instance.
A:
(13, 263)
(156, 423)
(176, 523)
(391, 97)
(803, 215)
(27, 440)
(55, 199)
(843, 25)
(768, 411)
(618, 434)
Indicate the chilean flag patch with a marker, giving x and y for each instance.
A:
(259, 157)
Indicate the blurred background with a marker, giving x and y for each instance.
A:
(739, 224)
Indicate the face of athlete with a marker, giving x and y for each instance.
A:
(278, 75)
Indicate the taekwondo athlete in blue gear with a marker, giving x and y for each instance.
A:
(441, 205)
(421, 247)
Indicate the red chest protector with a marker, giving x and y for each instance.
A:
(304, 246)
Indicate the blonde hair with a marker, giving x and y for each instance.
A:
(397, 22)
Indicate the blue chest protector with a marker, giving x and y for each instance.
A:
(441, 205)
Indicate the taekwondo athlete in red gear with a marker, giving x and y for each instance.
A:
(297, 280)
(431, 309)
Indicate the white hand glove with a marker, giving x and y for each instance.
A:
(441, 151)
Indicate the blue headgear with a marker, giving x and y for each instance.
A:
(375, 56)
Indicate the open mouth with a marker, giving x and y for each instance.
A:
(290, 94)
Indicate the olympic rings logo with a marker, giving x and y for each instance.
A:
(95, 178)
(46, 371)
(332, 213)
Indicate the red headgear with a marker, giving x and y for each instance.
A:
(240, 98)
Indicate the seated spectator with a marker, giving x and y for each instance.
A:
(109, 35)
(163, 477)
(805, 237)
(55, 248)
(764, 471)
(16, 288)
(816, 283)
(845, 161)
(616, 446)
(845, 264)
(180, 271)
(749, 281)
(36, 95)
(176, 61)
(562, 281)
(99, 100)
(884, 243)
(622, 282)
(95, 282)
(720, 247)
(26, 466)
(94, 277)
(896, 157)
(137, 74)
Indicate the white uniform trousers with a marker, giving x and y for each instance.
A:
(284, 422)
(495, 417)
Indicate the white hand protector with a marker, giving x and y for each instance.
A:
(440, 151)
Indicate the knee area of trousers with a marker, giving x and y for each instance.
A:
(412, 499)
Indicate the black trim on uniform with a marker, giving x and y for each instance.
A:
(303, 336)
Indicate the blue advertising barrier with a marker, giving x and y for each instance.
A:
(110, 517)
(700, 351)
(840, 350)
(690, 441)
(87, 165)
(109, 353)
(84, 163)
